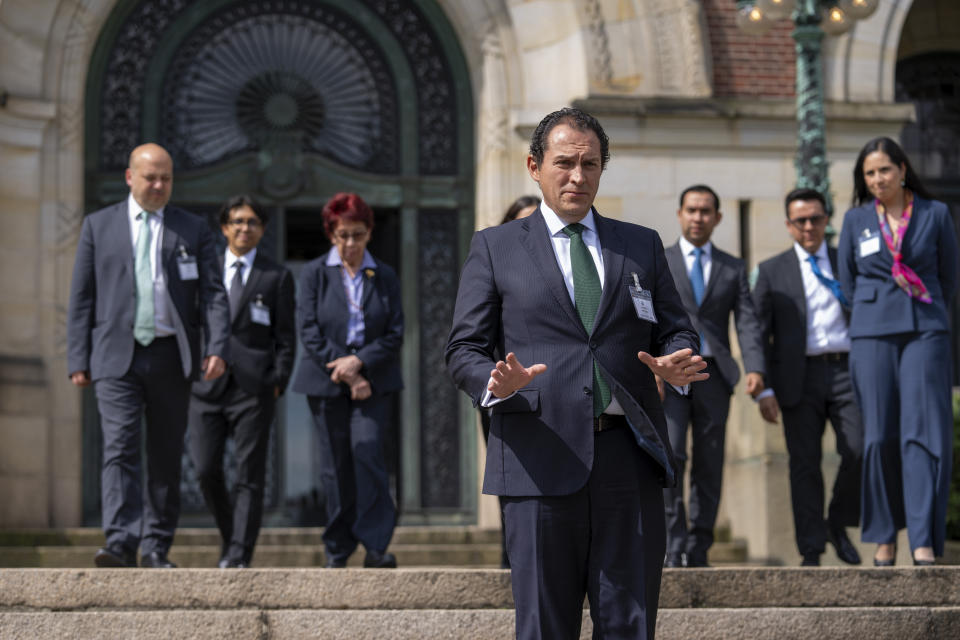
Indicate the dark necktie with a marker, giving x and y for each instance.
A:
(236, 288)
(586, 296)
(696, 275)
(829, 283)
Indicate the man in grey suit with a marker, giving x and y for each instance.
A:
(145, 282)
(712, 284)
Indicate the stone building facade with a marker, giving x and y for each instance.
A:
(684, 96)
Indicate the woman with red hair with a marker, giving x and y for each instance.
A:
(351, 326)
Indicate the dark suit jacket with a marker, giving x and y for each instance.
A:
(880, 306)
(102, 293)
(261, 356)
(512, 298)
(782, 309)
(727, 290)
(322, 316)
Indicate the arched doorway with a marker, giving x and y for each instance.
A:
(293, 101)
(928, 75)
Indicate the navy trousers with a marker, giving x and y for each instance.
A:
(702, 412)
(353, 472)
(247, 418)
(605, 541)
(903, 387)
(154, 388)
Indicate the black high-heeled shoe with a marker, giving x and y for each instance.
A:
(886, 563)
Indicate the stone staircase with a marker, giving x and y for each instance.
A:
(475, 604)
(429, 546)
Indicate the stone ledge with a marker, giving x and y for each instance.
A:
(306, 589)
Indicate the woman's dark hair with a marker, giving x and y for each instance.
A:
(348, 207)
(579, 120)
(861, 194)
(519, 205)
(242, 200)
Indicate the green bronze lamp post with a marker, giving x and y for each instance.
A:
(811, 20)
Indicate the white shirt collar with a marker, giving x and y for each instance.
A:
(687, 247)
(247, 260)
(802, 254)
(555, 224)
(134, 209)
(333, 260)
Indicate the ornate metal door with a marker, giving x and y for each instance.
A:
(293, 101)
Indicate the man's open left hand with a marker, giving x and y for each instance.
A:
(678, 368)
(510, 375)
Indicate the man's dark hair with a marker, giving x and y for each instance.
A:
(579, 120)
(803, 194)
(241, 201)
(701, 188)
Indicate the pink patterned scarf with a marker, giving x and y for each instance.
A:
(903, 275)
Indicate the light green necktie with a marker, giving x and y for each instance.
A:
(143, 323)
(586, 296)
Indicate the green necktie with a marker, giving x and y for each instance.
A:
(143, 327)
(586, 296)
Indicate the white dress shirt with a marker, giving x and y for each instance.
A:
(230, 259)
(706, 261)
(162, 320)
(826, 324)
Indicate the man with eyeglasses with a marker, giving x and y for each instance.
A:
(804, 316)
(145, 281)
(242, 403)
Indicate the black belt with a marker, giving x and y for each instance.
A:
(834, 356)
(606, 422)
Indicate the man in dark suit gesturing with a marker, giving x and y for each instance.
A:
(712, 285)
(145, 282)
(804, 320)
(578, 444)
(242, 402)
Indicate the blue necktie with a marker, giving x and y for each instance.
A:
(696, 275)
(829, 283)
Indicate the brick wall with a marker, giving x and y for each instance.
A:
(746, 66)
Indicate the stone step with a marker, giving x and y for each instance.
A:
(280, 604)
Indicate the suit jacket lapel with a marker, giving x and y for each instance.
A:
(120, 233)
(793, 281)
(535, 238)
(369, 285)
(169, 246)
(718, 267)
(678, 265)
(611, 247)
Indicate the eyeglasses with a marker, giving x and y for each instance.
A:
(816, 221)
(356, 236)
(253, 223)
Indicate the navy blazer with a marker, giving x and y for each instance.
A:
(512, 298)
(261, 355)
(880, 306)
(322, 316)
(727, 290)
(781, 305)
(103, 293)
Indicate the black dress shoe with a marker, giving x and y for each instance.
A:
(811, 560)
(673, 561)
(108, 558)
(697, 561)
(923, 563)
(156, 560)
(224, 563)
(377, 560)
(837, 536)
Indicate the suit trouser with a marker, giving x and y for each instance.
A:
(704, 409)
(903, 385)
(153, 388)
(827, 393)
(606, 541)
(248, 418)
(353, 473)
